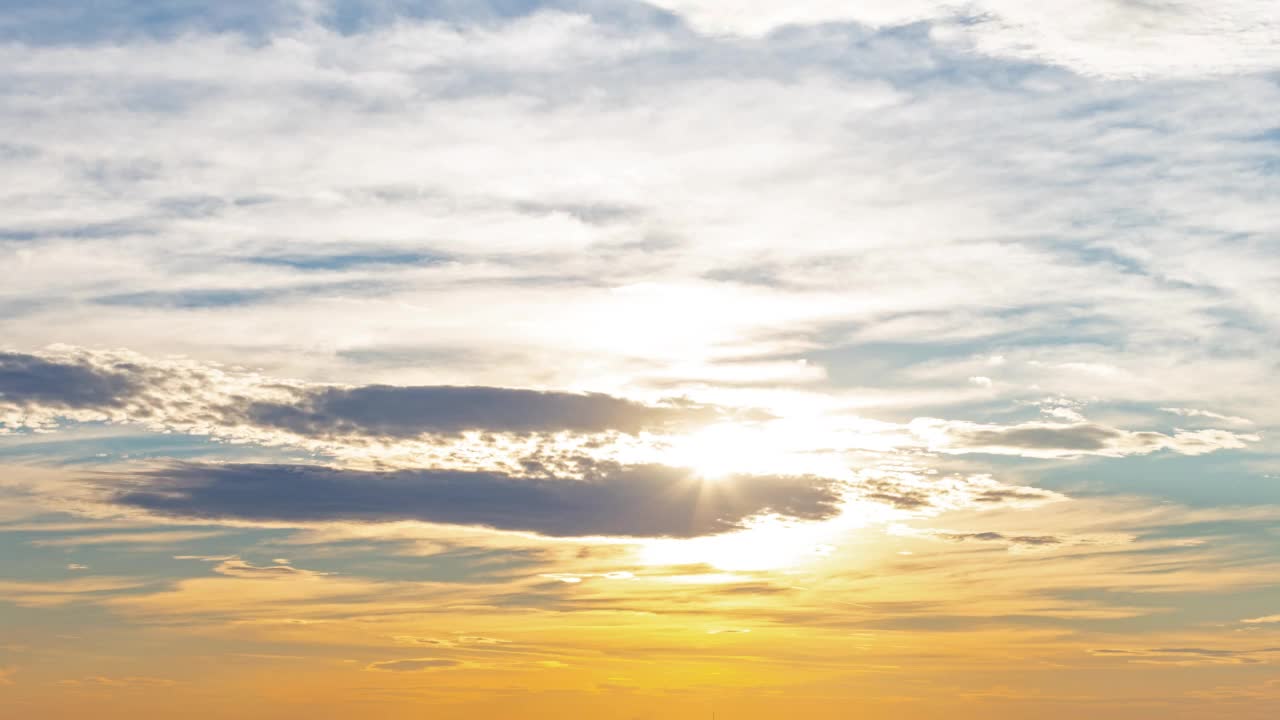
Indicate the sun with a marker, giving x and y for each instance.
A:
(716, 452)
(769, 543)
(780, 447)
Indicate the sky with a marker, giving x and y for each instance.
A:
(612, 359)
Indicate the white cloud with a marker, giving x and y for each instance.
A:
(414, 665)
(1266, 620)
(1103, 37)
(36, 594)
(1209, 415)
(235, 567)
(1118, 38)
(675, 250)
(120, 682)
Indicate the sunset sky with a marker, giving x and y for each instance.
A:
(503, 359)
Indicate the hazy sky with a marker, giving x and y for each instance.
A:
(503, 359)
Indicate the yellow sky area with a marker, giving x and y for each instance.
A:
(971, 674)
(869, 622)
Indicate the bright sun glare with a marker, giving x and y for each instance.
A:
(719, 451)
(769, 544)
(759, 448)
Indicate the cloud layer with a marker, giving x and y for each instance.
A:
(1066, 440)
(35, 390)
(400, 412)
(638, 501)
(1105, 37)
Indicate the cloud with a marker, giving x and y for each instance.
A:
(416, 665)
(1103, 37)
(244, 593)
(415, 640)
(916, 493)
(575, 578)
(466, 642)
(629, 269)
(1065, 440)
(398, 412)
(120, 682)
(638, 501)
(69, 21)
(27, 380)
(1194, 413)
(63, 592)
(1266, 692)
(126, 387)
(1267, 619)
(1013, 540)
(235, 567)
(172, 537)
(1190, 655)
(419, 226)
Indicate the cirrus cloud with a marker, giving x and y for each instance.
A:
(1068, 440)
(414, 665)
(1102, 37)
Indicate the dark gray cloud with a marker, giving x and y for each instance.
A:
(93, 382)
(1083, 437)
(1011, 495)
(636, 501)
(401, 412)
(29, 379)
(894, 493)
(1065, 440)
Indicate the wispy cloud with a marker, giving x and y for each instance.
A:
(1266, 619)
(1046, 439)
(415, 665)
(63, 592)
(167, 538)
(1190, 655)
(1106, 37)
